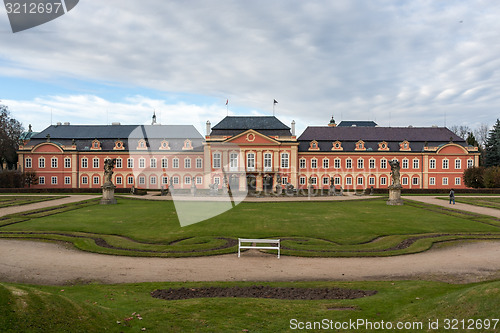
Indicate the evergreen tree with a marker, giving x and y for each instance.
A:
(10, 131)
(492, 155)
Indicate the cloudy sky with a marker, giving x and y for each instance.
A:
(400, 63)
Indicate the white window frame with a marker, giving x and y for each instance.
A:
(458, 163)
(199, 163)
(371, 181)
(416, 163)
(446, 163)
(164, 163)
(130, 162)
(302, 180)
(199, 180)
(119, 180)
(152, 180)
(361, 163)
(53, 180)
(187, 180)
(470, 163)
(94, 180)
(326, 163)
(119, 163)
(348, 180)
(314, 163)
(336, 181)
(336, 163)
(28, 163)
(371, 163)
(445, 180)
(268, 162)
(53, 162)
(95, 163)
(285, 160)
(326, 181)
(415, 180)
(85, 163)
(41, 162)
(404, 180)
(405, 163)
(142, 163)
(187, 163)
(41, 180)
(67, 180)
(233, 161)
(432, 181)
(141, 180)
(85, 180)
(164, 180)
(175, 163)
(348, 163)
(359, 180)
(383, 180)
(130, 180)
(314, 181)
(383, 163)
(251, 161)
(302, 163)
(67, 162)
(216, 160)
(432, 163)
(152, 163)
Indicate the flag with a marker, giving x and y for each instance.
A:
(227, 101)
(275, 102)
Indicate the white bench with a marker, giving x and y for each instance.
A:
(256, 246)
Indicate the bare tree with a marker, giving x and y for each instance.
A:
(481, 134)
(462, 130)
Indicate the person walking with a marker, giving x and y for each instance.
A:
(452, 196)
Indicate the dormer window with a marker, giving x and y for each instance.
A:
(313, 145)
(360, 145)
(405, 145)
(96, 145)
(118, 145)
(187, 145)
(383, 146)
(337, 145)
(164, 145)
(142, 144)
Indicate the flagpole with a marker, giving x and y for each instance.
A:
(227, 107)
(274, 104)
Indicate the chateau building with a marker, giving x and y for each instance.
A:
(246, 152)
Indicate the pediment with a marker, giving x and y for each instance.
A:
(252, 137)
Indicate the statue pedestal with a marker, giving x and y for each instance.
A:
(395, 196)
(108, 194)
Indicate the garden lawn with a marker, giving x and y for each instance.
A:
(117, 308)
(340, 228)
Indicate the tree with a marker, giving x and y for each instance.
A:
(492, 154)
(461, 130)
(481, 133)
(30, 178)
(471, 140)
(473, 177)
(492, 177)
(10, 132)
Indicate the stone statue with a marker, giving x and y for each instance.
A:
(109, 165)
(396, 183)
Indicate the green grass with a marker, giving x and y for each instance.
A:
(8, 201)
(340, 228)
(99, 308)
(482, 202)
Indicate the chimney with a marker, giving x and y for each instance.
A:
(293, 127)
(66, 123)
(208, 127)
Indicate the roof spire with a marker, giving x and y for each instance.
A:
(332, 122)
(153, 121)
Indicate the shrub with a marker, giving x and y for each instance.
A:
(492, 177)
(473, 177)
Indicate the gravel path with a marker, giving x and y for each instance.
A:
(48, 263)
(44, 204)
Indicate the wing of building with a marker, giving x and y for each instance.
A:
(255, 153)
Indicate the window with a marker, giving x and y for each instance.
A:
(53, 180)
(152, 180)
(142, 180)
(216, 161)
(268, 162)
(130, 162)
(360, 180)
(175, 180)
(302, 180)
(445, 164)
(175, 163)
(445, 180)
(119, 180)
(284, 180)
(383, 181)
(217, 180)
(142, 162)
(152, 163)
(336, 180)
(67, 180)
(41, 162)
(164, 180)
(348, 181)
(285, 161)
(67, 162)
(404, 181)
(199, 180)
(41, 180)
(457, 181)
(326, 181)
(470, 163)
(251, 161)
(414, 181)
(119, 163)
(458, 164)
(348, 163)
(336, 163)
(432, 181)
(130, 180)
(371, 181)
(314, 180)
(405, 164)
(85, 163)
(302, 163)
(371, 164)
(432, 164)
(314, 163)
(383, 164)
(416, 164)
(187, 163)
(95, 163)
(233, 161)
(27, 163)
(96, 179)
(187, 180)
(361, 163)
(326, 163)
(85, 180)
(164, 163)
(199, 163)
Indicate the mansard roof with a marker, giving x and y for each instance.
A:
(119, 131)
(351, 123)
(348, 136)
(234, 125)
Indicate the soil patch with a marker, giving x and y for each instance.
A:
(262, 292)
